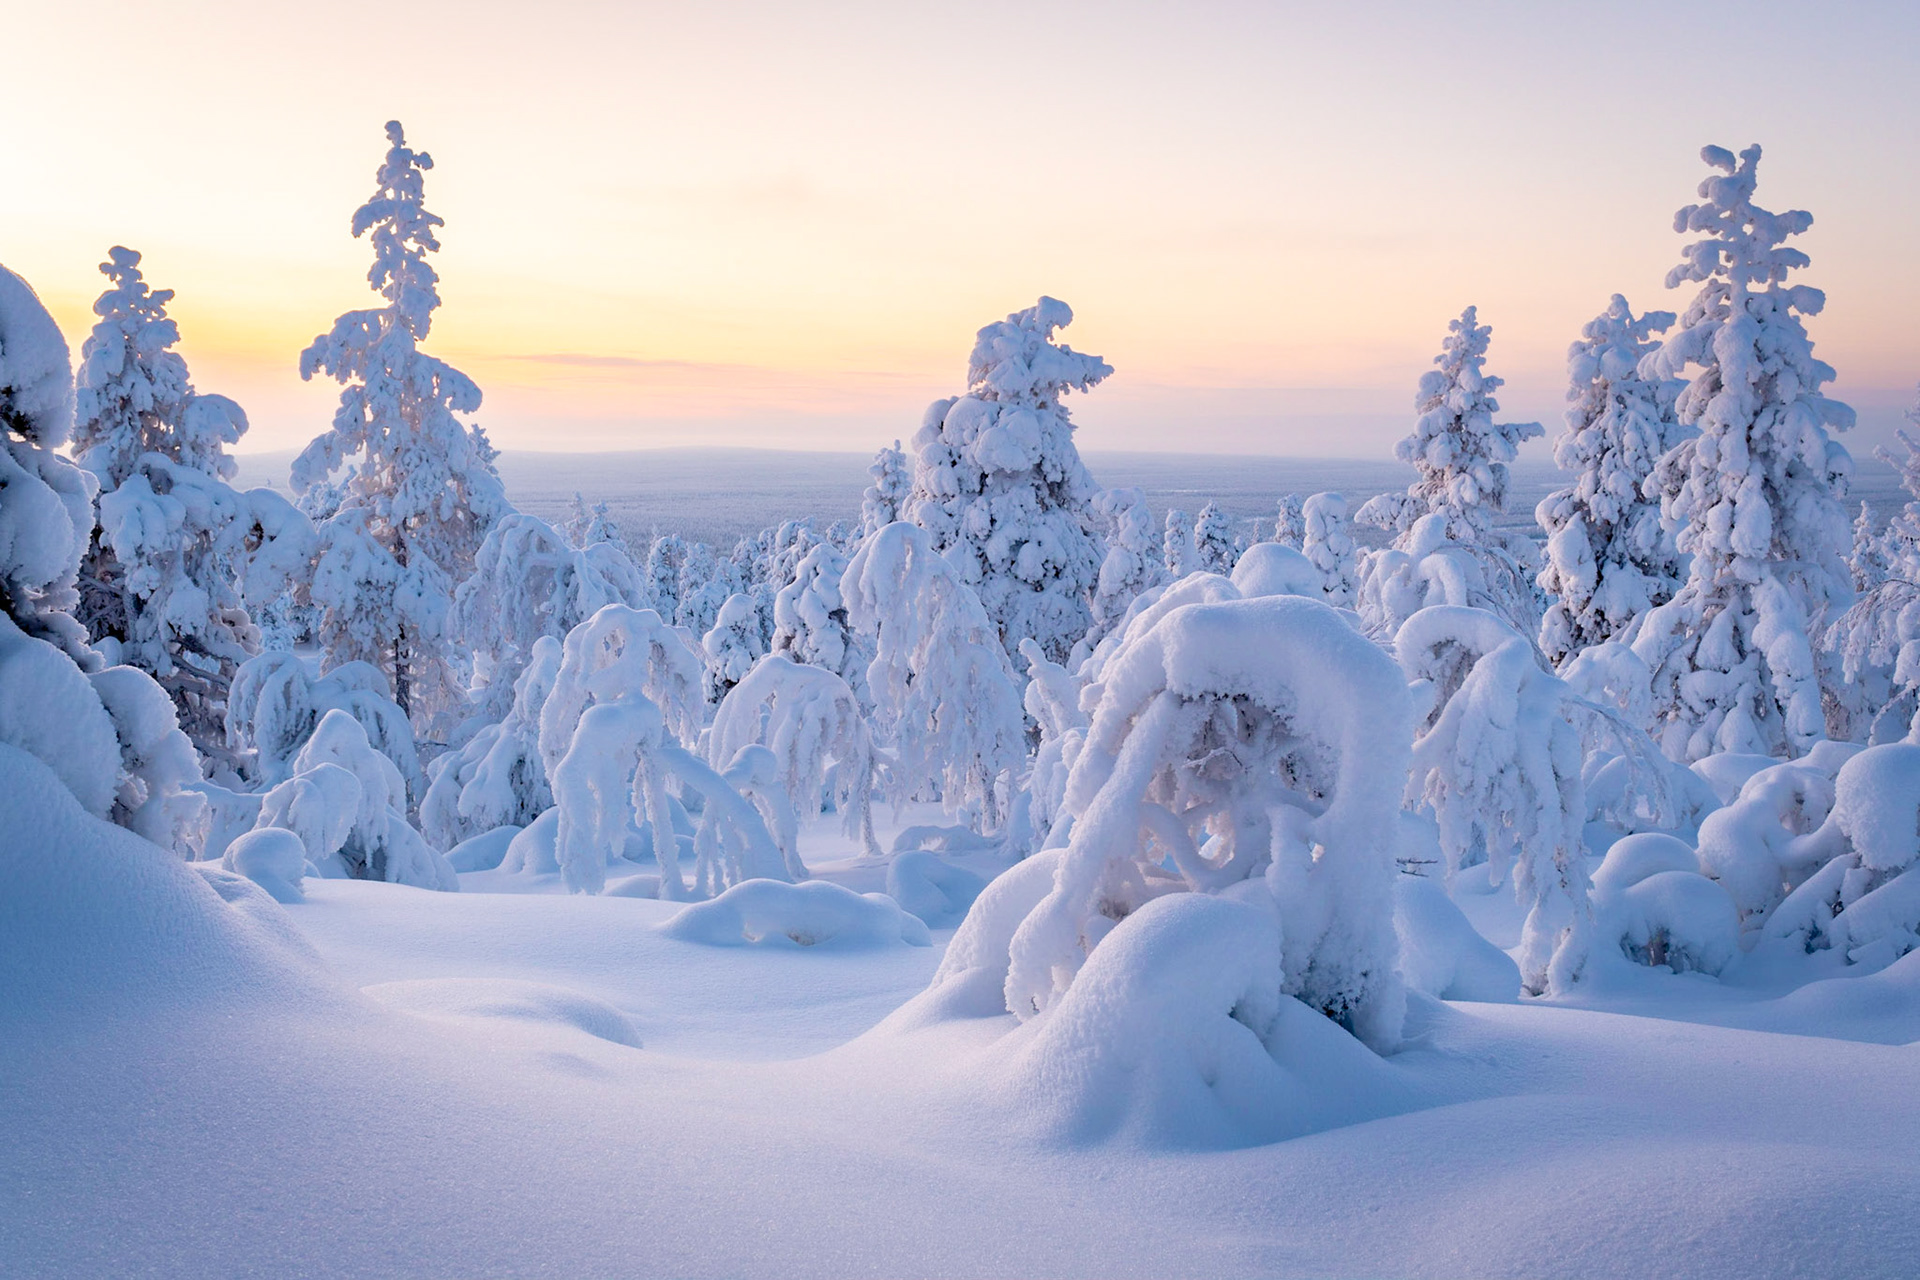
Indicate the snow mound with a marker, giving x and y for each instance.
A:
(485, 851)
(1679, 919)
(1441, 953)
(91, 914)
(1174, 1035)
(1728, 771)
(808, 914)
(936, 891)
(1274, 569)
(273, 858)
(1633, 858)
(537, 1003)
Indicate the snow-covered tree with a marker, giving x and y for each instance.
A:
(1290, 522)
(1498, 762)
(497, 777)
(1608, 558)
(165, 576)
(1213, 545)
(1000, 488)
(946, 699)
(1460, 455)
(732, 646)
(1754, 496)
(591, 524)
(1877, 640)
(1867, 561)
(810, 619)
(108, 733)
(1253, 749)
(528, 581)
(1133, 565)
(422, 492)
(885, 499)
(665, 558)
(381, 844)
(276, 704)
(1326, 542)
(1176, 545)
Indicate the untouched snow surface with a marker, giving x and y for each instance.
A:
(453, 1088)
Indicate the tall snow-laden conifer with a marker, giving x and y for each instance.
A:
(1752, 497)
(1460, 455)
(1213, 540)
(1608, 558)
(164, 573)
(423, 491)
(1176, 544)
(1001, 489)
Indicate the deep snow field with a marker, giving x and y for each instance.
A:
(513, 1080)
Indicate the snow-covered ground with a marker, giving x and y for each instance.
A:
(539, 1083)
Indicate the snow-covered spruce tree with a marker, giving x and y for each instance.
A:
(946, 699)
(732, 646)
(162, 578)
(591, 524)
(1176, 545)
(108, 733)
(665, 558)
(1752, 497)
(1608, 558)
(1133, 565)
(1213, 540)
(422, 492)
(1327, 543)
(884, 500)
(705, 582)
(1290, 522)
(1460, 455)
(1867, 561)
(810, 619)
(1000, 487)
(1877, 640)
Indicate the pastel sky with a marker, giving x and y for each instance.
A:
(767, 224)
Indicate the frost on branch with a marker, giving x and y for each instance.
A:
(946, 700)
(1000, 488)
(421, 491)
(1753, 497)
(810, 721)
(1497, 759)
(1253, 749)
(1608, 558)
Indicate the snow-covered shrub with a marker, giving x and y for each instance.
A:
(158, 765)
(810, 720)
(274, 859)
(796, 915)
(381, 845)
(1254, 748)
(732, 646)
(1652, 902)
(530, 582)
(1428, 568)
(885, 500)
(1608, 558)
(1000, 489)
(1329, 545)
(946, 700)
(1864, 903)
(1290, 522)
(1213, 540)
(1752, 497)
(276, 703)
(1761, 843)
(1133, 565)
(319, 806)
(927, 886)
(1498, 761)
(497, 778)
(1276, 569)
(422, 491)
(1176, 545)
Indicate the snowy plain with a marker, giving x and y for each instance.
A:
(387, 1081)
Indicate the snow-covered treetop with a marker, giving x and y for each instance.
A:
(881, 503)
(36, 380)
(1460, 452)
(1017, 360)
(402, 234)
(131, 386)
